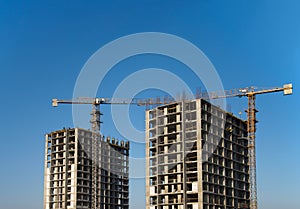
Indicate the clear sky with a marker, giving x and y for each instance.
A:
(45, 44)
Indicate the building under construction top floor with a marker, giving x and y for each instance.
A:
(84, 170)
(197, 158)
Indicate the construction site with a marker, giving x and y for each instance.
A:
(198, 156)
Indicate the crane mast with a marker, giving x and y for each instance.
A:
(251, 129)
(249, 92)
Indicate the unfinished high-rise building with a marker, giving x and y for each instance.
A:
(84, 170)
(196, 157)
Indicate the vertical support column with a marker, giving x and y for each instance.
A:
(46, 174)
(199, 152)
(95, 120)
(94, 170)
(183, 155)
(74, 185)
(147, 162)
(66, 167)
(251, 128)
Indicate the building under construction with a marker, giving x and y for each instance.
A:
(196, 158)
(84, 170)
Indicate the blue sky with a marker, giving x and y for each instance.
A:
(45, 44)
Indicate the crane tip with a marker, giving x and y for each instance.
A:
(288, 89)
(54, 103)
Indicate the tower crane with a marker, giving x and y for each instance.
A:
(249, 92)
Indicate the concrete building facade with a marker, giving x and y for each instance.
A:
(84, 170)
(196, 157)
